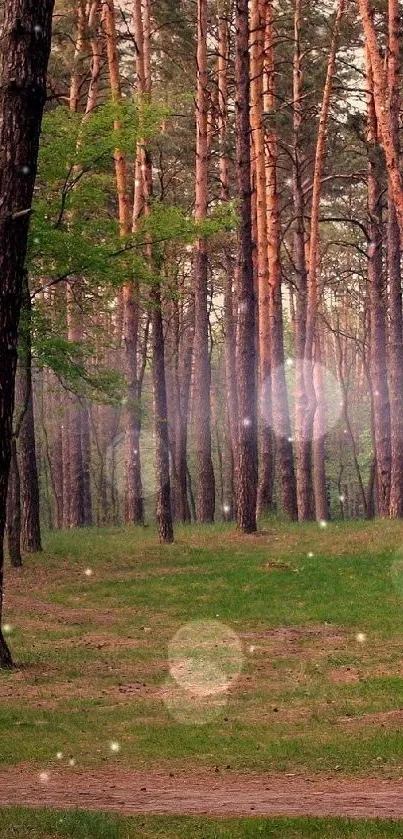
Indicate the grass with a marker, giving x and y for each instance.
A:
(24, 824)
(93, 649)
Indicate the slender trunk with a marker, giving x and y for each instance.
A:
(76, 482)
(66, 464)
(318, 444)
(94, 29)
(180, 504)
(246, 350)
(86, 461)
(163, 488)
(377, 297)
(163, 485)
(228, 315)
(205, 498)
(395, 287)
(25, 434)
(134, 506)
(14, 510)
(74, 310)
(303, 446)
(185, 378)
(266, 454)
(279, 396)
(314, 396)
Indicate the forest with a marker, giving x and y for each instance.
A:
(201, 322)
(212, 316)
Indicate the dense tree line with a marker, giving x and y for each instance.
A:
(207, 260)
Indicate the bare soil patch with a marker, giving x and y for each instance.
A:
(212, 794)
(384, 719)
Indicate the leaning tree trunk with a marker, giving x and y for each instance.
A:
(25, 54)
(246, 351)
(313, 293)
(205, 498)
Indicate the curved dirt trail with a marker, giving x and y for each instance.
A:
(215, 795)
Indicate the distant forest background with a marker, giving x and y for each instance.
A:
(212, 313)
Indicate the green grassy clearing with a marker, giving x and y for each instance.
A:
(310, 698)
(24, 824)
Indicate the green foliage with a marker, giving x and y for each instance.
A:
(75, 236)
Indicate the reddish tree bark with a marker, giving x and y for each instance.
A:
(314, 395)
(266, 453)
(384, 114)
(395, 287)
(134, 506)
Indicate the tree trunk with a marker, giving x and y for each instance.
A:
(14, 510)
(174, 327)
(134, 506)
(228, 315)
(266, 454)
(205, 497)
(75, 464)
(25, 434)
(279, 396)
(185, 377)
(318, 445)
(163, 485)
(86, 460)
(313, 396)
(246, 350)
(395, 287)
(66, 464)
(163, 488)
(75, 299)
(384, 114)
(25, 54)
(303, 446)
(377, 298)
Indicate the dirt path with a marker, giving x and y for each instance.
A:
(253, 795)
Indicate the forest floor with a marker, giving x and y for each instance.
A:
(315, 698)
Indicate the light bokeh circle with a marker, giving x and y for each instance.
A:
(205, 660)
(328, 398)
